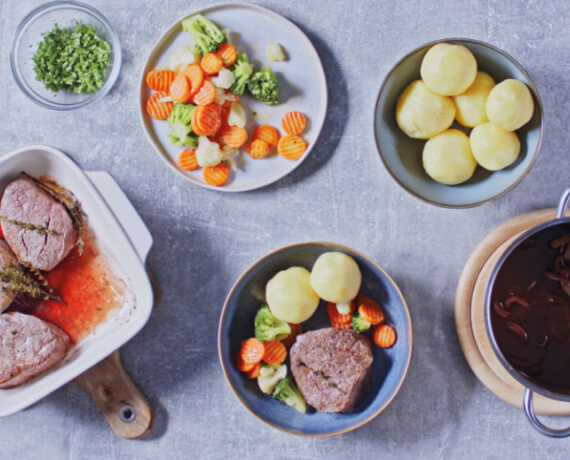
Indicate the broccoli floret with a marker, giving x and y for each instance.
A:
(242, 70)
(207, 36)
(180, 122)
(267, 327)
(287, 392)
(263, 86)
(359, 325)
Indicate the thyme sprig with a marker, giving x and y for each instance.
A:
(26, 225)
(24, 279)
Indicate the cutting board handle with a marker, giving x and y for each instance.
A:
(126, 409)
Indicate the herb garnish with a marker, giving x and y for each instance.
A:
(24, 279)
(75, 60)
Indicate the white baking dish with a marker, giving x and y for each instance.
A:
(121, 236)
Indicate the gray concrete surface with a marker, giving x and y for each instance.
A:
(204, 240)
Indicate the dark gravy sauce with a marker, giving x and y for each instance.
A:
(530, 308)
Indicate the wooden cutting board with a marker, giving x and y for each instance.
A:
(125, 408)
(470, 320)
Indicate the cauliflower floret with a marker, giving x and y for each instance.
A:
(269, 377)
(182, 57)
(225, 79)
(275, 52)
(237, 116)
(208, 153)
(222, 96)
(229, 154)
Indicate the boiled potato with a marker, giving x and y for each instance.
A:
(336, 277)
(493, 147)
(447, 158)
(290, 296)
(448, 70)
(421, 113)
(510, 104)
(470, 105)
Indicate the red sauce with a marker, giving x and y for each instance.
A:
(89, 288)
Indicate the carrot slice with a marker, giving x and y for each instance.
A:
(255, 371)
(217, 175)
(275, 352)
(211, 63)
(252, 350)
(268, 134)
(194, 73)
(291, 147)
(187, 160)
(294, 122)
(228, 54)
(207, 120)
(233, 136)
(243, 366)
(296, 329)
(206, 94)
(370, 311)
(180, 89)
(160, 79)
(384, 336)
(258, 149)
(338, 320)
(156, 109)
(195, 128)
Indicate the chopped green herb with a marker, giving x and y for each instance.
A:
(74, 60)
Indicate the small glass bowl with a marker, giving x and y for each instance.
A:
(28, 35)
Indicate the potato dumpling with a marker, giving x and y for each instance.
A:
(448, 69)
(510, 104)
(290, 296)
(421, 113)
(447, 158)
(470, 105)
(335, 277)
(493, 147)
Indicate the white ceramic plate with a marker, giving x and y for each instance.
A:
(121, 236)
(302, 88)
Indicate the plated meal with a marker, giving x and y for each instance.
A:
(326, 332)
(330, 367)
(231, 107)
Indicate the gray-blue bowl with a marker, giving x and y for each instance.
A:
(236, 325)
(402, 155)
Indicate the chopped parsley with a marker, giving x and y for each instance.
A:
(74, 60)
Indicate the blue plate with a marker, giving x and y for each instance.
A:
(236, 325)
(402, 155)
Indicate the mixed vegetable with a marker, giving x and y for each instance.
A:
(264, 356)
(198, 94)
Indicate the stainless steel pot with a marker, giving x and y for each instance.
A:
(531, 387)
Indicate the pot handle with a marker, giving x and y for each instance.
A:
(563, 204)
(529, 411)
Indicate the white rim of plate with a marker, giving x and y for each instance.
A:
(155, 50)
